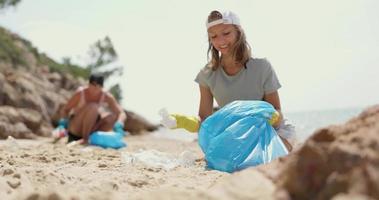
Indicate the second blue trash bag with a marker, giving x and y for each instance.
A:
(239, 136)
(109, 139)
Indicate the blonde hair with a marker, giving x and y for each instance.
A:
(241, 50)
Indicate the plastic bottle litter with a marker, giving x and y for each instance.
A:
(150, 159)
(167, 120)
(187, 158)
(287, 131)
(175, 134)
(12, 144)
(158, 160)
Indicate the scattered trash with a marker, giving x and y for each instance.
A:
(159, 160)
(187, 158)
(73, 143)
(12, 144)
(287, 131)
(87, 149)
(167, 120)
(59, 132)
(175, 134)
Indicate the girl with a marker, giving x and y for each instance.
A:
(231, 73)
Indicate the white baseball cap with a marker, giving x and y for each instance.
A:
(227, 17)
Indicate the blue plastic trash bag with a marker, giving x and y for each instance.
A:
(109, 139)
(239, 136)
(63, 122)
(118, 127)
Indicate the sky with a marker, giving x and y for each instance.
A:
(325, 53)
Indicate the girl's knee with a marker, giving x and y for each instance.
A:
(110, 119)
(107, 123)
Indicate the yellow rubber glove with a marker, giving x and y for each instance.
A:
(274, 118)
(189, 123)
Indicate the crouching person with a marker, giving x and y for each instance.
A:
(92, 109)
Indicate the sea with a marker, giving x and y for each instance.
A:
(307, 122)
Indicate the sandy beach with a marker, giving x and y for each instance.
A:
(39, 169)
(336, 162)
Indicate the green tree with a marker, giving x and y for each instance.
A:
(102, 54)
(8, 3)
(116, 91)
(103, 61)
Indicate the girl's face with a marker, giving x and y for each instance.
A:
(223, 37)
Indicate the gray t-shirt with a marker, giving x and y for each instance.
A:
(252, 82)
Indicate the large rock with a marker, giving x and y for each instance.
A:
(16, 130)
(246, 184)
(34, 94)
(9, 96)
(136, 124)
(31, 100)
(337, 159)
(2, 83)
(19, 122)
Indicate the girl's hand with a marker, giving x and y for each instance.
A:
(276, 119)
(190, 123)
(278, 122)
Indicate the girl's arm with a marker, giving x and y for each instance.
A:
(274, 100)
(71, 103)
(116, 108)
(206, 103)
